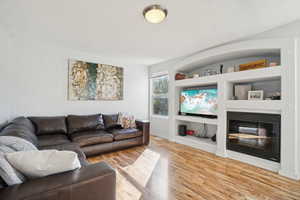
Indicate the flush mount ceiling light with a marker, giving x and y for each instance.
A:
(155, 14)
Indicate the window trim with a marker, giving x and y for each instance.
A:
(153, 77)
(160, 116)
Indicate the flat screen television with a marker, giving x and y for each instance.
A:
(200, 101)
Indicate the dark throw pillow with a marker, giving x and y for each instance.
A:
(49, 125)
(77, 123)
(111, 121)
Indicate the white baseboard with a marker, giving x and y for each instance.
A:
(161, 136)
(221, 154)
(198, 145)
(289, 174)
(258, 162)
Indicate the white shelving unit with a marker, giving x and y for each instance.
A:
(197, 119)
(263, 106)
(200, 143)
(254, 75)
(286, 107)
(242, 76)
(224, 105)
(207, 80)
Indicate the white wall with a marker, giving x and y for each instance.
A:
(290, 30)
(34, 79)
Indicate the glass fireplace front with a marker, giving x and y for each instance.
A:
(255, 134)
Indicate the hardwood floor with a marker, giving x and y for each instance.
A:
(166, 170)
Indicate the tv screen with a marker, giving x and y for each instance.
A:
(199, 101)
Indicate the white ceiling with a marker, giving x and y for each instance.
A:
(117, 27)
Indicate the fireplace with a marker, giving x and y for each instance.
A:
(255, 134)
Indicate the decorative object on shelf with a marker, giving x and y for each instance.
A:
(190, 132)
(241, 91)
(273, 64)
(236, 68)
(182, 130)
(275, 96)
(230, 69)
(214, 138)
(92, 81)
(214, 72)
(202, 133)
(180, 76)
(221, 69)
(253, 65)
(209, 72)
(256, 95)
(196, 75)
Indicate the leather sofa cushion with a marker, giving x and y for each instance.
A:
(49, 125)
(69, 147)
(93, 150)
(111, 121)
(53, 139)
(91, 137)
(123, 144)
(123, 134)
(21, 127)
(77, 123)
(23, 121)
(93, 182)
(96, 149)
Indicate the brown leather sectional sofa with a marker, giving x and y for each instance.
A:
(85, 135)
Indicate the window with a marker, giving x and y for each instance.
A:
(160, 95)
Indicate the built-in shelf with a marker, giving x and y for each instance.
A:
(282, 77)
(262, 106)
(254, 75)
(205, 80)
(200, 143)
(242, 76)
(196, 119)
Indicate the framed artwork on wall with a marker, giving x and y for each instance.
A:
(92, 81)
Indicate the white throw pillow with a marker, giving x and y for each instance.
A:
(17, 143)
(35, 164)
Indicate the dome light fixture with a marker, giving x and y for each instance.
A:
(155, 14)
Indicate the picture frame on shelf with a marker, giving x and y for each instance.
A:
(256, 95)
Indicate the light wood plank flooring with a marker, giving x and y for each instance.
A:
(165, 170)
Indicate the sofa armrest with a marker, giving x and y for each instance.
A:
(92, 182)
(144, 126)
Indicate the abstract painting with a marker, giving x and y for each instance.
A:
(91, 81)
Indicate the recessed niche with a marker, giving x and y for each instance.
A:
(270, 89)
(235, 58)
(198, 131)
(230, 64)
